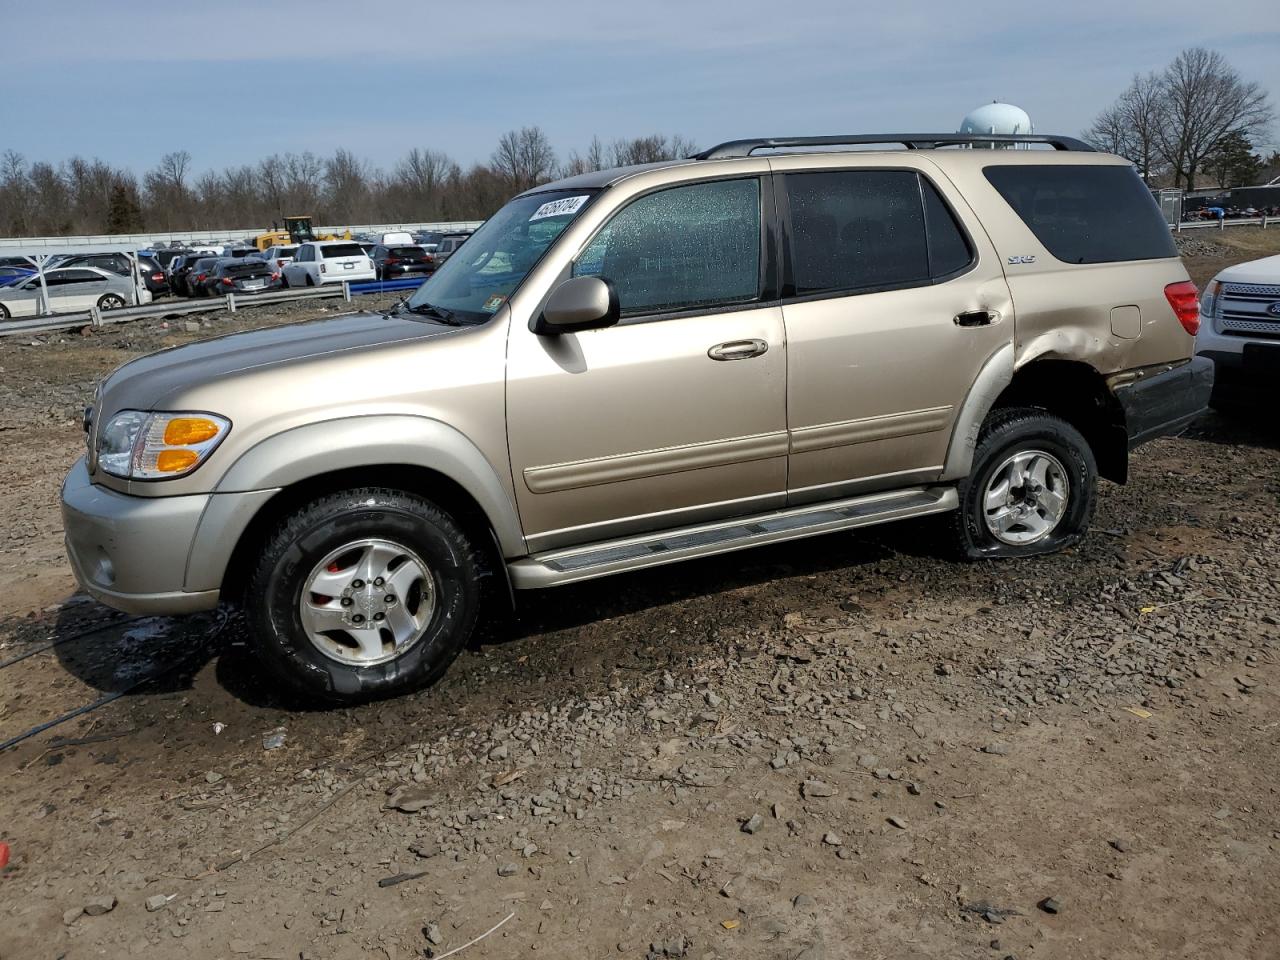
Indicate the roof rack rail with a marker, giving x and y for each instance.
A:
(912, 141)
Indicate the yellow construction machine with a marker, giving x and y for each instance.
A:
(296, 230)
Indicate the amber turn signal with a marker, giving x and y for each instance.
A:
(185, 431)
(175, 461)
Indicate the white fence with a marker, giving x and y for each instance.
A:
(142, 241)
(1223, 224)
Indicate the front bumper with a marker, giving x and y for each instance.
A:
(1165, 403)
(131, 552)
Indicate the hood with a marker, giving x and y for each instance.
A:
(1265, 271)
(145, 383)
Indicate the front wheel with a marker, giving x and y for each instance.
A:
(4, 312)
(110, 301)
(364, 594)
(1031, 490)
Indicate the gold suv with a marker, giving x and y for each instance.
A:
(638, 366)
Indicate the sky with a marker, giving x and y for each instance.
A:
(233, 81)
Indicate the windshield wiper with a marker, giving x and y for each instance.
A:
(442, 314)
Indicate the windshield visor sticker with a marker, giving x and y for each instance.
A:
(559, 208)
(493, 303)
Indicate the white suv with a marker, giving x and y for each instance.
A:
(1240, 330)
(331, 261)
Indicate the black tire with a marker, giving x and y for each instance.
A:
(4, 312)
(1006, 433)
(310, 282)
(274, 592)
(110, 301)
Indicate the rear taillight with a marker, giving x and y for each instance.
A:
(227, 281)
(1185, 301)
(157, 277)
(391, 260)
(200, 277)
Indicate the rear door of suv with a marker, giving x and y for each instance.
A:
(893, 300)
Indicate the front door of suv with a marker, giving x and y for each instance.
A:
(678, 413)
(894, 299)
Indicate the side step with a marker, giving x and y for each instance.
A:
(557, 567)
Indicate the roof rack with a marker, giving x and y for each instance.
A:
(912, 141)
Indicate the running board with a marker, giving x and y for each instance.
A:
(557, 567)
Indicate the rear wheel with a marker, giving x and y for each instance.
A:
(110, 301)
(310, 282)
(1032, 488)
(4, 312)
(364, 594)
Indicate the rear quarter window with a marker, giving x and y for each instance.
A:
(1086, 214)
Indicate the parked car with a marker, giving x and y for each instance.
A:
(280, 256)
(328, 261)
(71, 290)
(199, 272)
(640, 366)
(120, 263)
(249, 275)
(429, 240)
(447, 245)
(395, 262)
(10, 275)
(399, 238)
(1240, 333)
(238, 251)
(179, 267)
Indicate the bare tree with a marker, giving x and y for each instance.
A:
(1130, 126)
(650, 149)
(524, 158)
(1204, 100)
(173, 168)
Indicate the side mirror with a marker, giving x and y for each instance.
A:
(580, 303)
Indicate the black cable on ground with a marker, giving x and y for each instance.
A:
(103, 701)
(61, 640)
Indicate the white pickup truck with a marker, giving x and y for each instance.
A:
(1240, 330)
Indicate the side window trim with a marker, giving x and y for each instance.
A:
(788, 291)
(767, 284)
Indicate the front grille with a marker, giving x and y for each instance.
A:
(1243, 310)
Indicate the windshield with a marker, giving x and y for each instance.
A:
(476, 281)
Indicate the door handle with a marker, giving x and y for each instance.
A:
(975, 318)
(738, 350)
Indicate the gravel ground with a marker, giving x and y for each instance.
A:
(845, 747)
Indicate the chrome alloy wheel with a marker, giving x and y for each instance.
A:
(1026, 497)
(367, 602)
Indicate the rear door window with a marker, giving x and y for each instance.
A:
(861, 231)
(1086, 214)
(688, 247)
(856, 230)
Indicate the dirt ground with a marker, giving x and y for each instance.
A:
(844, 747)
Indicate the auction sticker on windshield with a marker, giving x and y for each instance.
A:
(493, 303)
(559, 208)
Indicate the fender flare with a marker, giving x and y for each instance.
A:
(330, 445)
(996, 374)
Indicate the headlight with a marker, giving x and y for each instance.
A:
(1209, 299)
(136, 445)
